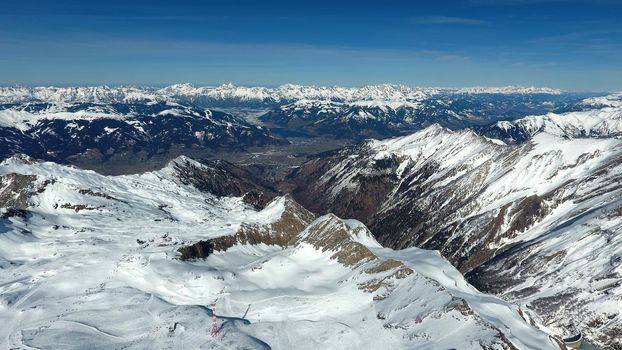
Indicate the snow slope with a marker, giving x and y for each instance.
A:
(91, 261)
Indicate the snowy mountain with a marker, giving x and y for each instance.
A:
(606, 122)
(283, 94)
(535, 223)
(613, 100)
(289, 93)
(381, 110)
(90, 126)
(357, 119)
(517, 189)
(381, 118)
(226, 94)
(94, 94)
(100, 261)
(62, 132)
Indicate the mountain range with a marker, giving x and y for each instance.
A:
(536, 222)
(230, 93)
(125, 122)
(480, 218)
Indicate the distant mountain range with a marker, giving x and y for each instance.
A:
(229, 93)
(97, 123)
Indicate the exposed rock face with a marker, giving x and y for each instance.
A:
(15, 189)
(507, 215)
(331, 234)
(224, 179)
(316, 182)
(199, 250)
(280, 232)
(76, 207)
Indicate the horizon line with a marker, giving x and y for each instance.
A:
(271, 86)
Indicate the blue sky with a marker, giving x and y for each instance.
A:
(574, 44)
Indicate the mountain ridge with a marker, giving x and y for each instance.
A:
(509, 216)
(283, 93)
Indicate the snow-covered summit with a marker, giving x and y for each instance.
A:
(599, 123)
